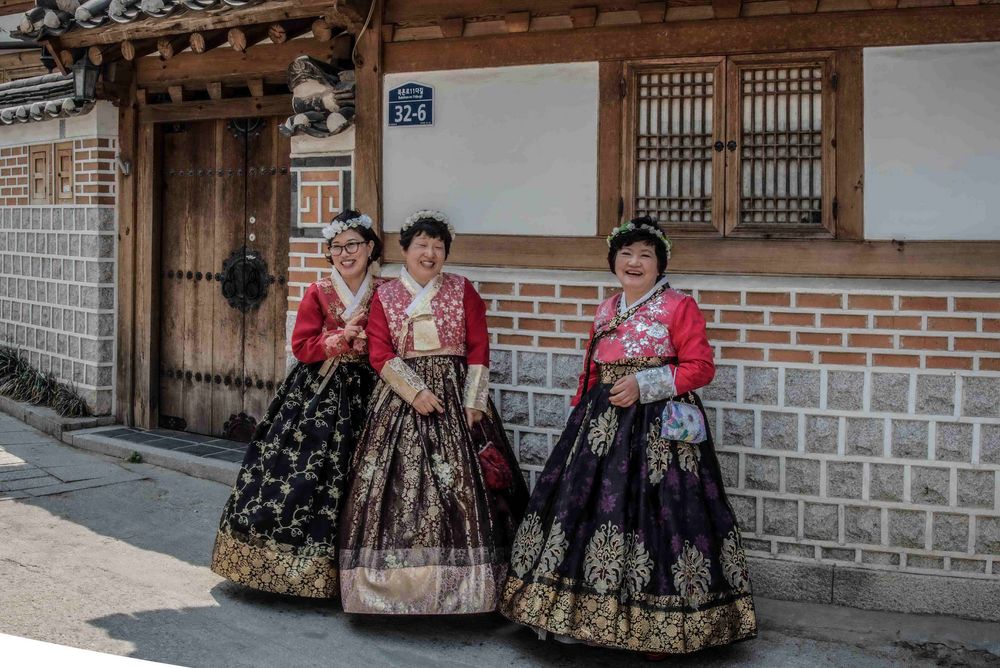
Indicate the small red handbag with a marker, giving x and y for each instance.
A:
(496, 471)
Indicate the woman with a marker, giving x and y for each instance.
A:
(437, 495)
(279, 529)
(629, 540)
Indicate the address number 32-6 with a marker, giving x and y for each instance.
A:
(407, 113)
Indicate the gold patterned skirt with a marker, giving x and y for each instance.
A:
(422, 534)
(278, 531)
(629, 540)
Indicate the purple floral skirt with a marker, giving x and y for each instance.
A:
(629, 540)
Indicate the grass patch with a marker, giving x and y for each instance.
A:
(22, 382)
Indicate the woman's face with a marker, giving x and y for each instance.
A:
(636, 267)
(349, 254)
(424, 258)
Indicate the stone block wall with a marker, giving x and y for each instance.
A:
(856, 422)
(57, 261)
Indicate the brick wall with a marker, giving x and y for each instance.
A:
(57, 274)
(857, 422)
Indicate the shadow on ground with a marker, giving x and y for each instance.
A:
(249, 628)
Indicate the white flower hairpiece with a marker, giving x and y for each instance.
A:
(338, 226)
(652, 229)
(428, 214)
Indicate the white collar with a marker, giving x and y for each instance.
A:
(351, 300)
(622, 306)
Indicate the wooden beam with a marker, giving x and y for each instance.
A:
(140, 96)
(792, 32)
(132, 51)
(97, 54)
(609, 145)
(453, 27)
(583, 17)
(744, 257)
(883, 4)
(168, 46)
(225, 65)
(188, 22)
(727, 9)
(237, 39)
(850, 138)
(176, 94)
(517, 21)
(652, 12)
(368, 128)
(66, 60)
(802, 6)
(214, 89)
(388, 32)
(240, 107)
(256, 87)
(322, 30)
(204, 41)
(277, 33)
(410, 12)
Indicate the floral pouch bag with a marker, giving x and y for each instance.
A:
(683, 422)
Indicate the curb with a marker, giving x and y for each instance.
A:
(47, 420)
(181, 462)
(85, 434)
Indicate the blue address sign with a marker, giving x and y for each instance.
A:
(411, 104)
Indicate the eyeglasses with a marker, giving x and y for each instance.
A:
(351, 247)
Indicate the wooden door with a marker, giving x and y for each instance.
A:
(224, 254)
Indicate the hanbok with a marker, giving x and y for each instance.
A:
(423, 530)
(629, 540)
(278, 531)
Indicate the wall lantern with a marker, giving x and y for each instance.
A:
(85, 76)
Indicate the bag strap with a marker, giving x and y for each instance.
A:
(612, 325)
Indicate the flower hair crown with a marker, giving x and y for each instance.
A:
(642, 227)
(338, 226)
(428, 214)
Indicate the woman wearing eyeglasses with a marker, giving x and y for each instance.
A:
(278, 531)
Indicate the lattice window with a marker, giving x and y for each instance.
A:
(675, 110)
(732, 146)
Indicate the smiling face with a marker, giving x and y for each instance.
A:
(424, 258)
(352, 261)
(636, 267)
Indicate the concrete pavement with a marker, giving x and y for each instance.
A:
(121, 566)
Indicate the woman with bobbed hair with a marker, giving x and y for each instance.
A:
(629, 540)
(437, 494)
(278, 531)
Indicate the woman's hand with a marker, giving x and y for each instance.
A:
(354, 328)
(473, 416)
(426, 403)
(625, 392)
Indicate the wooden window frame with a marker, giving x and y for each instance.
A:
(44, 173)
(58, 195)
(727, 127)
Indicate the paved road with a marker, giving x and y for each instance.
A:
(116, 561)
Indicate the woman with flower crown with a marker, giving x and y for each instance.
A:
(629, 540)
(278, 531)
(436, 493)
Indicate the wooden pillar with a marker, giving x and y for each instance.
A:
(368, 130)
(147, 280)
(125, 205)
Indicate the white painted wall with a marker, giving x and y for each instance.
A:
(513, 150)
(932, 142)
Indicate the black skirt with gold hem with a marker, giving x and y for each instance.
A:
(629, 540)
(278, 531)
